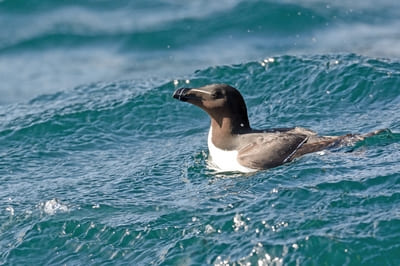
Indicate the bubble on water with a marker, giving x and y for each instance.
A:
(220, 262)
(267, 61)
(209, 229)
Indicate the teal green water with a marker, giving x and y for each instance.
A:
(99, 165)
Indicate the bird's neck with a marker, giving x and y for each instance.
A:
(225, 131)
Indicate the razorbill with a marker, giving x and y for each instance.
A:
(234, 146)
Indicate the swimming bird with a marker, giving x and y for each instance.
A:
(234, 146)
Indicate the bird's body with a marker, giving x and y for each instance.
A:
(225, 160)
(235, 146)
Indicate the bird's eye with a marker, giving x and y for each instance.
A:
(216, 95)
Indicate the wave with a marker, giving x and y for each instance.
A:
(117, 156)
(116, 171)
(129, 27)
(53, 46)
(331, 95)
(56, 29)
(285, 90)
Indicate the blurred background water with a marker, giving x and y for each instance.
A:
(48, 46)
(99, 165)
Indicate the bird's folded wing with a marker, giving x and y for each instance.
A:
(270, 151)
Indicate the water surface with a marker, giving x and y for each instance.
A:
(100, 165)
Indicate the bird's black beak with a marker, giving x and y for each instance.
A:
(181, 94)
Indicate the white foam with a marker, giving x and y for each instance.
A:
(11, 210)
(53, 206)
(258, 254)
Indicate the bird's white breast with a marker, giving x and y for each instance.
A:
(225, 160)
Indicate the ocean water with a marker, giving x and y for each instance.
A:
(99, 165)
